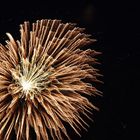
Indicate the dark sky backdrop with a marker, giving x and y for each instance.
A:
(115, 24)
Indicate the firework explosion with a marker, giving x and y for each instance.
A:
(42, 81)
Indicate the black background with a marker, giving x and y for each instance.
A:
(116, 26)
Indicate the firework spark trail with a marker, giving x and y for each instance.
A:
(42, 80)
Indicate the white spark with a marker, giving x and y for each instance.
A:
(26, 85)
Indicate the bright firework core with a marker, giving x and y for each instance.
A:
(28, 88)
(26, 85)
(29, 82)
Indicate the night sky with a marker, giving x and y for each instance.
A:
(116, 26)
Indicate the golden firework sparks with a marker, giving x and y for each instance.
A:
(42, 80)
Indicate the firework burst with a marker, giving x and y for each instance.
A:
(42, 81)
